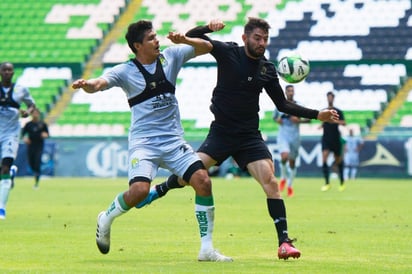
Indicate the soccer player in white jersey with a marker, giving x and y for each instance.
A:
(12, 95)
(155, 137)
(288, 141)
(353, 145)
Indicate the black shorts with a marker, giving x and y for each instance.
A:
(221, 143)
(335, 146)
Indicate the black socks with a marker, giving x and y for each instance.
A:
(277, 211)
(170, 183)
(325, 169)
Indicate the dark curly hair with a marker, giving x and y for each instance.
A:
(255, 23)
(136, 31)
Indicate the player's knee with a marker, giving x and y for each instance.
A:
(137, 192)
(201, 182)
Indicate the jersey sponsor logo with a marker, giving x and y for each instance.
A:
(162, 101)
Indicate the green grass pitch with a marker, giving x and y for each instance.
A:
(365, 229)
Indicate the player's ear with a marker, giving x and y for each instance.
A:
(137, 45)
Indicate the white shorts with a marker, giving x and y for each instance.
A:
(146, 155)
(351, 159)
(9, 145)
(289, 145)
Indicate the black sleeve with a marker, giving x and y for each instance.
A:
(341, 116)
(24, 131)
(45, 128)
(199, 32)
(283, 105)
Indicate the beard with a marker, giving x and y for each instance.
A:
(255, 52)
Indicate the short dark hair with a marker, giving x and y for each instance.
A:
(289, 86)
(5, 64)
(330, 93)
(255, 23)
(136, 31)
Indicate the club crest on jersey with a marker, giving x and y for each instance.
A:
(263, 71)
(163, 60)
(135, 162)
(250, 78)
(152, 85)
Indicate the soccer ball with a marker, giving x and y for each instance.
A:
(293, 68)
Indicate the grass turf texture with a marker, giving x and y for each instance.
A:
(366, 229)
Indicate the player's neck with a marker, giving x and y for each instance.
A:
(145, 60)
(6, 84)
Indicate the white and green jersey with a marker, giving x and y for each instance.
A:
(288, 138)
(158, 115)
(11, 99)
(287, 129)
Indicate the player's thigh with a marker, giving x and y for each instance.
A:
(262, 170)
(144, 161)
(179, 158)
(294, 150)
(10, 146)
(284, 150)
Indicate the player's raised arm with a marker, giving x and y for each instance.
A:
(200, 31)
(201, 46)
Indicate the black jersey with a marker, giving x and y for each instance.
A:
(240, 80)
(34, 130)
(331, 132)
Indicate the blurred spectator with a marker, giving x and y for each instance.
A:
(353, 146)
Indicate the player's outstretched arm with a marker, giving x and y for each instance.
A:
(328, 115)
(91, 85)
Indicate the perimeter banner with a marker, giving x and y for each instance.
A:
(104, 157)
(383, 158)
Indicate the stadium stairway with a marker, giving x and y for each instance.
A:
(95, 61)
(393, 106)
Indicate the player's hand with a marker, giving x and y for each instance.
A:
(328, 115)
(176, 37)
(90, 85)
(80, 83)
(24, 113)
(216, 25)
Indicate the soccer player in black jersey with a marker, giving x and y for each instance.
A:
(34, 133)
(243, 72)
(332, 142)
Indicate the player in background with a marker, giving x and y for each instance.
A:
(34, 133)
(288, 141)
(353, 146)
(243, 72)
(156, 134)
(331, 143)
(12, 95)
